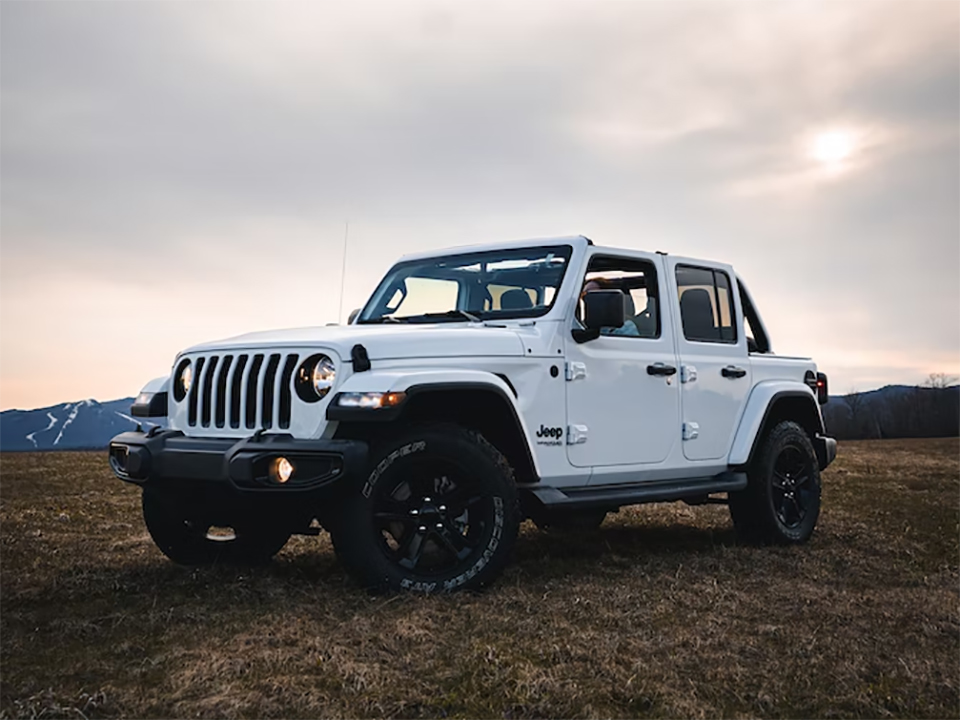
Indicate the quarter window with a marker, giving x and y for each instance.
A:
(706, 305)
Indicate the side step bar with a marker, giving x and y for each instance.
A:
(611, 497)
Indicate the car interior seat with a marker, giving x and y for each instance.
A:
(516, 299)
(696, 312)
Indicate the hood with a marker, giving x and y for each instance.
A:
(383, 342)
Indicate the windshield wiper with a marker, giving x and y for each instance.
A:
(452, 314)
(384, 319)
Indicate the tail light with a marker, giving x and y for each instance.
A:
(817, 383)
(822, 393)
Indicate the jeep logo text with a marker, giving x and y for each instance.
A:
(550, 432)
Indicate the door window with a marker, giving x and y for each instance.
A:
(706, 305)
(637, 280)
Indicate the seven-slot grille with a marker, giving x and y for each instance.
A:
(246, 390)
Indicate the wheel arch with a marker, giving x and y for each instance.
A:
(768, 405)
(484, 404)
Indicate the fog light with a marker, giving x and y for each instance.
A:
(281, 470)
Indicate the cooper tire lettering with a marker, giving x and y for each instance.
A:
(388, 461)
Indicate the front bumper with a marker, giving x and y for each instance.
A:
(168, 456)
(826, 448)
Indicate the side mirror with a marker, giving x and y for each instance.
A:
(352, 316)
(603, 309)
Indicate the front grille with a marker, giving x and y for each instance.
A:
(248, 390)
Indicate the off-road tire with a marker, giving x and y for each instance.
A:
(467, 514)
(564, 522)
(775, 508)
(179, 530)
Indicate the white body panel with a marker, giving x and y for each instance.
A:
(626, 425)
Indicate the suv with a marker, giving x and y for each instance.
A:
(479, 386)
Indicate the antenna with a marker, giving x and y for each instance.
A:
(343, 269)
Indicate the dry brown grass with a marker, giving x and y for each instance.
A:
(660, 614)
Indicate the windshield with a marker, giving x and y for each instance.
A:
(498, 284)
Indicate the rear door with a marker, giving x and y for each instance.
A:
(715, 375)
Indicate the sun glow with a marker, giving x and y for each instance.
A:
(833, 147)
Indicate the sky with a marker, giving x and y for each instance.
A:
(172, 173)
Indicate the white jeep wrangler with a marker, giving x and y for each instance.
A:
(549, 379)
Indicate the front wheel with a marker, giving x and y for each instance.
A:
(438, 512)
(781, 502)
(185, 535)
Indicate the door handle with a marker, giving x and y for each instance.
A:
(661, 369)
(731, 371)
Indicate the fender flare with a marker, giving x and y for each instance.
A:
(762, 398)
(425, 381)
(151, 401)
(157, 385)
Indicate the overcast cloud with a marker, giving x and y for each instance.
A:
(177, 172)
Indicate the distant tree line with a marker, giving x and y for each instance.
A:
(928, 410)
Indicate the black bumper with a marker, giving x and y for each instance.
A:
(170, 456)
(826, 448)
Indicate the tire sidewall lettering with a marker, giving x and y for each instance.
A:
(488, 552)
(402, 451)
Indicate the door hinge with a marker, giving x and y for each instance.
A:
(688, 374)
(575, 370)
(576, 434)
(691, 431)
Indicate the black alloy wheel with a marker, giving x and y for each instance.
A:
(793, 491)
(439, 512)
(781, 502)
(433, 516)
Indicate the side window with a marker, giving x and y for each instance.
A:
(637, 280)
(706, 305)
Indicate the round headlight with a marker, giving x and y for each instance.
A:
(324, 373)
(182, 380)
(315, 378)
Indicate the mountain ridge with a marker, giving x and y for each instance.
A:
(81, 425)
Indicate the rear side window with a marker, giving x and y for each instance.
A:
(706, 305)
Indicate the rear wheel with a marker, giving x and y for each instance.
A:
(186, 535)
(781, 502)
(439, 512)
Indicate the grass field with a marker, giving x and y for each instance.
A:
(661, 613)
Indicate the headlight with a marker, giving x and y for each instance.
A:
(182, 380)
(370, 400)
(315, 378)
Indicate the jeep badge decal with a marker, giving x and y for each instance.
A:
(549, 435)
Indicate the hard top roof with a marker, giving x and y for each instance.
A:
(573, 240)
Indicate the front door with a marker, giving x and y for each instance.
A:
(623, 401)
(714, 362)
